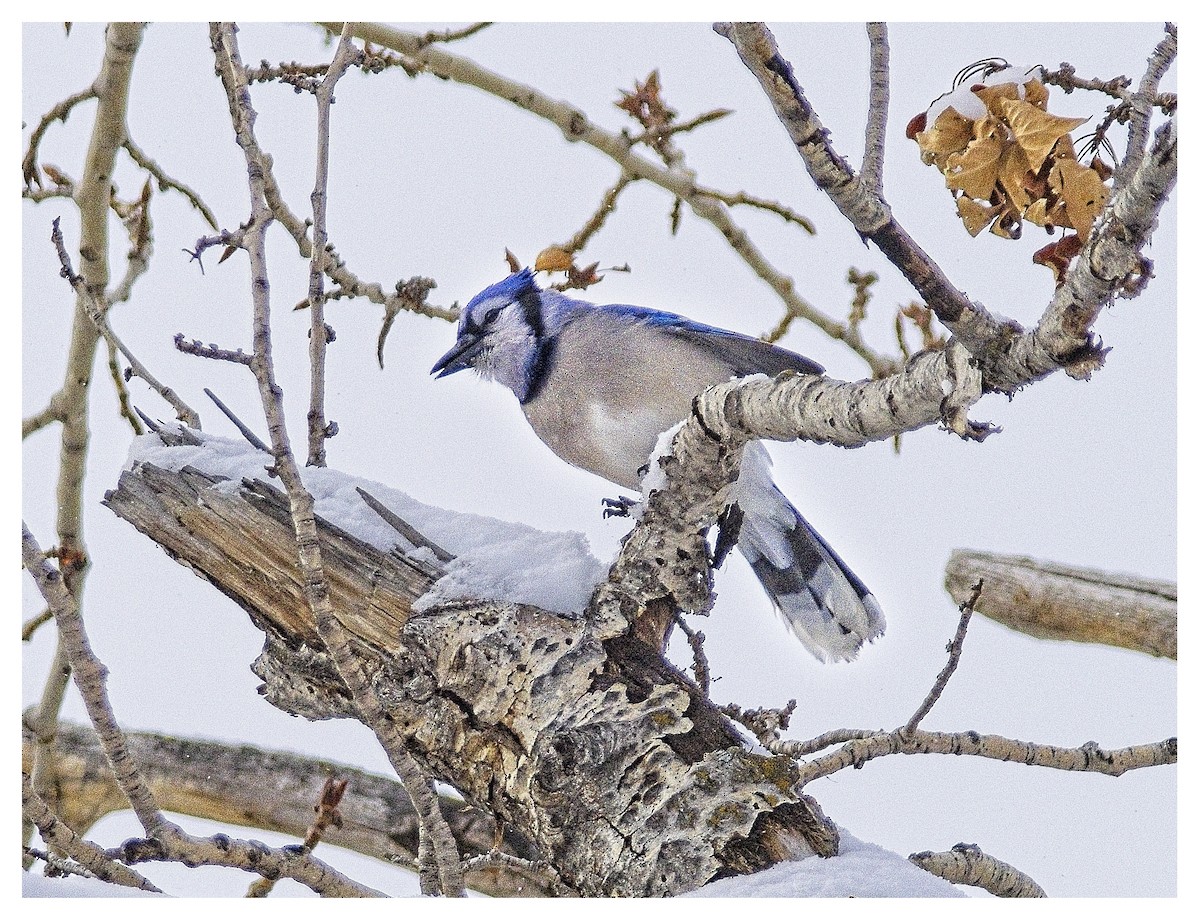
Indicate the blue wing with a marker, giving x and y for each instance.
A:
(744, 354)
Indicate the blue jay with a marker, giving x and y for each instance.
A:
(600, 383)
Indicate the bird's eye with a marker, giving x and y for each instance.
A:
(491, 315)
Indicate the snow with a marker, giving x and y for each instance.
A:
(968, 105)
(494, 560)
(861, 870)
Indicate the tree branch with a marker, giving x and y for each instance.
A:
(1057, 602)
(967, 865)
(434, 828)
(877, 108)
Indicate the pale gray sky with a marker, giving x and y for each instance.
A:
(433, 178)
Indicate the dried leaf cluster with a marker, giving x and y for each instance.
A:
(1016, 163)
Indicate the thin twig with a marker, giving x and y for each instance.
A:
(607, 205)
(29, 628)
(215, 352)
(97, 315)
(877, 107)
(967, 608)
(700, 668)
(327, 814)
(142, 159)
(29, 166)
(436, 838)
(1088, 757)
(118, 379)
(318, 429)
(406, 530)
(247, 432)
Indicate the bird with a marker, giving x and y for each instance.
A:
(599, 383)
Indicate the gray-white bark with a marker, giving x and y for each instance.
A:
(573, 732)
(1057, 602)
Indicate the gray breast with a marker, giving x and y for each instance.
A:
(612, 388)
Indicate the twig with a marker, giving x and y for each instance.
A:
(118, 379)
(55, 411)
(453, 35)
(700, 668)
(406, 530)
(247, 432)
(954, 647)
(215, 352)
(165, 182)
(57, 834)
(97, 315)
(436, 837)
(90, 679)
(753, 201)
(877, 108)
(327, 814)
(1142, 103)
(967, 865)
(29, 628)
(318, 429)
(29, 166)
(1087, 757)
(607, 205)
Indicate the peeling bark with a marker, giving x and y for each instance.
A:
(571, 731)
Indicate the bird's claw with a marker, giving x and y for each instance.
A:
(620, 507)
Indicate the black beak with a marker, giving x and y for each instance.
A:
(459, 358)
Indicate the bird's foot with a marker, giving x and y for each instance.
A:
(729, 528)
(620, 507)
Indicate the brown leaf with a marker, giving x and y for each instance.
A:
(992, 96)
(915, 126)
(1082, 191)
(1103, 170)
(976, 216)
(1036, 94)
(951, 133)
(1015, 176)
(514, 264)
(1007, 225)
(1057, 256)
(553, 259)
(977, 169)
(1036, 131)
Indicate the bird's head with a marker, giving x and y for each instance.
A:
(500, 334)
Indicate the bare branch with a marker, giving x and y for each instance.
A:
(1053, 601)
(90, 678)
(97, 314)
(967, 865)
(955, 649)
(318, 429)
(1087, 757)
(877, 108)
(436, 834)
(142, 159)
(123, 405)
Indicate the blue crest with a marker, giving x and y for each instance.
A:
(510, 289)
